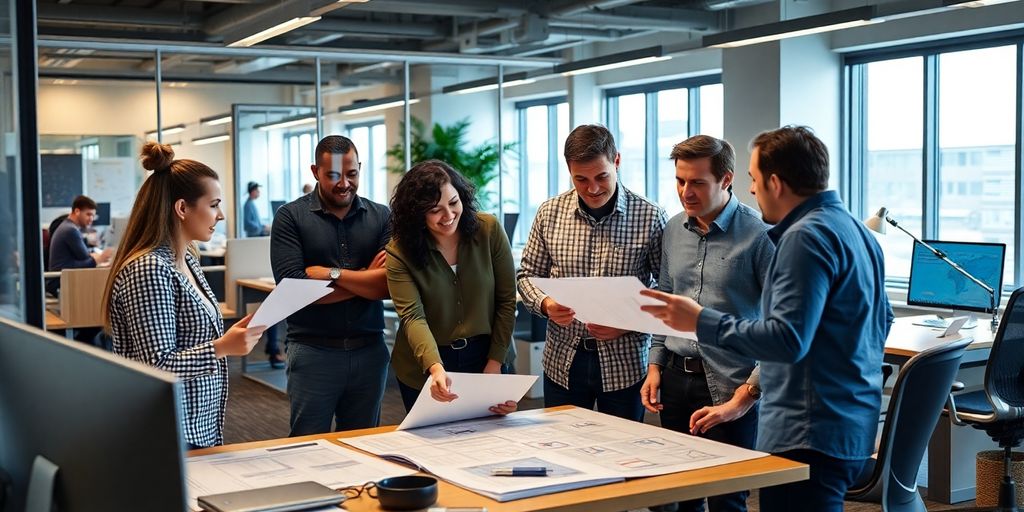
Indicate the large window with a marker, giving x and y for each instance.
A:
(543, 126)
(372, 144)
(648, 120)
(933, 137)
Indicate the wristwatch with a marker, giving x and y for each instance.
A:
(754, 391)
(335, 273)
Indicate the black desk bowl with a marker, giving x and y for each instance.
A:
(407, 492)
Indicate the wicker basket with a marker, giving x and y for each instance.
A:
(989, 474)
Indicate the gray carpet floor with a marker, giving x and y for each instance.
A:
(257, 412)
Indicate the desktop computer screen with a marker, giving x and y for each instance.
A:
(102, 215)
(274, 206)
(111, 426)
(934, 283)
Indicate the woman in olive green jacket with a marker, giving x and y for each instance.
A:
(452, 279)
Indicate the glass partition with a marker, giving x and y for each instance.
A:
(11, 242)
(273, 149)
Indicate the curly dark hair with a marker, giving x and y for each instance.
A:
(418, 192)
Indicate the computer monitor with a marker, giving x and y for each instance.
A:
(510, 221)
(274, 206)
(102, 215)
(112, 235)
(934, 283)
(112, 426)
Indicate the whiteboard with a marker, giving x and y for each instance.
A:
(112, 180)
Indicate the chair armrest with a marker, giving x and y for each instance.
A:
(951, 406)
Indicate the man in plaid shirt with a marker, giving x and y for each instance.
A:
(597, 229)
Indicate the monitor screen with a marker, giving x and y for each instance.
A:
(936, 284)
(111, 426)
(274, 205)
(102, 215)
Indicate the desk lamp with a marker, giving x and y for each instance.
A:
(877, 224)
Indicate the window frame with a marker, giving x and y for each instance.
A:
(552, 103)
(854, 132)
(650, 91)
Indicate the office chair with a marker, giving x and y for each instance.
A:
(998, 409)
(920, 391)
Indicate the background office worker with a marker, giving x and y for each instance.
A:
(337, 360)
(717, 253)
(67, 247)
(599, 228)
(251, 216)
(825, 320)
(452, 279)
(157, 304)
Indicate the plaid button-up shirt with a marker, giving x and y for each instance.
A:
(566, 241)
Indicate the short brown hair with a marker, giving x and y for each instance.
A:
(723, 158)
(83, 203)
(589, 141)
(796, 156)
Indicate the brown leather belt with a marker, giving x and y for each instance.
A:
(686, 364)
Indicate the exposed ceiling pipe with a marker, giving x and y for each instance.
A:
(572, 8)
(721, 5)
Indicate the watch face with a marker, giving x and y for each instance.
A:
(335, 273)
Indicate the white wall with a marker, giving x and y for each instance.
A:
(129, 108)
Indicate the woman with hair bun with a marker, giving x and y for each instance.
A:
(158, 306)
(452, 280)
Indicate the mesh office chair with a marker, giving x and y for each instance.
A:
(999, 408)
(920, 391)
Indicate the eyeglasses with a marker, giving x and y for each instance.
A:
(354, 491)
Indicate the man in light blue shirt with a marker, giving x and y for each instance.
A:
(825, 320)
(251, 216)
(716, 252)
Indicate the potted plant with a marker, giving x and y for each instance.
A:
(479, 164)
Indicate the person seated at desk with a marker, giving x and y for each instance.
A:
(67, 245)
(452, 281)
(157, 303)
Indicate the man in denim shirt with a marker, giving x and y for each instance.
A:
(717, 253)
(825, 320)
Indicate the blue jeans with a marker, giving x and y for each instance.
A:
(271, 348)
(682, 394)
(824, 492)
(585, 390)
(326, 383)
(471, 359)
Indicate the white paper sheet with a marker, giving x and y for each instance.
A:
(289, 296)
(582, 446)
(320, 461)
(477, 393)
(609, 301)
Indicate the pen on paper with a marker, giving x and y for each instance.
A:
(520, 471)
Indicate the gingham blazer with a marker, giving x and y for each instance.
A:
(565, 241)
(158, 318)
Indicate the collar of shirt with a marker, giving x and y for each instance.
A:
(620, 205)
(828, 197)
(316, 206)
(722, 222)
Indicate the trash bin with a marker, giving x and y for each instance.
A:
(989, 474)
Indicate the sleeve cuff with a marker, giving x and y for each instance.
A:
(707, 326)
(658, 356)
(498, 352)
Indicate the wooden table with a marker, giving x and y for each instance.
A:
(631, 494)
(952, 449)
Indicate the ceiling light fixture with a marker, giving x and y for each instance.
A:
(364, 106)
(210, 139)
(827, 22)
(287, 122)
(276, 30)
(613, 61)
(169, 130)
(215, 120)
(491, 83)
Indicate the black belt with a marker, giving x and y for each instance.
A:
(587, 344)
(686, 364)
(461, 343)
